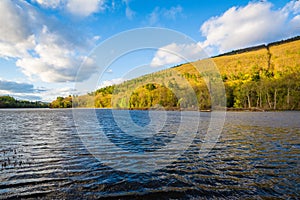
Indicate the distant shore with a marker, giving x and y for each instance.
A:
(253, 109)
(227, 109)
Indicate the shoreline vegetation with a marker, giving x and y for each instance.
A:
(10, 102)
(7, 102)
(260, 78)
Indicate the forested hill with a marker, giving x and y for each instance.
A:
(263, 46)
(10, 102)
(265, 77)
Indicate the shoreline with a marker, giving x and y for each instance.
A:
(188, 109)
(254, 109)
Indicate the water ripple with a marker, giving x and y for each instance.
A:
(256, 157)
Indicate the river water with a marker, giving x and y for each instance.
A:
(43, 156)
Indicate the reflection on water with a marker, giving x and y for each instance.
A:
(257, 156)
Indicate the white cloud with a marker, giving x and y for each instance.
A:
(19, 49)
(111, 82)
(109, 71)
(84, 8)
(253, 24)
(12, 32)
(51, 61)
(177, 53)
(172, 13)
(96, 37)
(80, 8)
(154, 16)
(15, 38)
(48, 55)
(55, 67)
(292, 7)
(49, 3)
(128, 11)
(295, 23)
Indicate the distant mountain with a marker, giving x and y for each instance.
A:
(262, 77)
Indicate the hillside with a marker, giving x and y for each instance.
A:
(265, 77)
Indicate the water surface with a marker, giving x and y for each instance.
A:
(257, 156)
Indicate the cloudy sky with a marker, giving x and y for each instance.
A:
(44, 42)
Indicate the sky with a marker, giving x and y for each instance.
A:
(44, 42)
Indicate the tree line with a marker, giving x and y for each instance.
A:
(10, 102)
(61, 102)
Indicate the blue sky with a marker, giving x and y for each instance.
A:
(43, 42)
